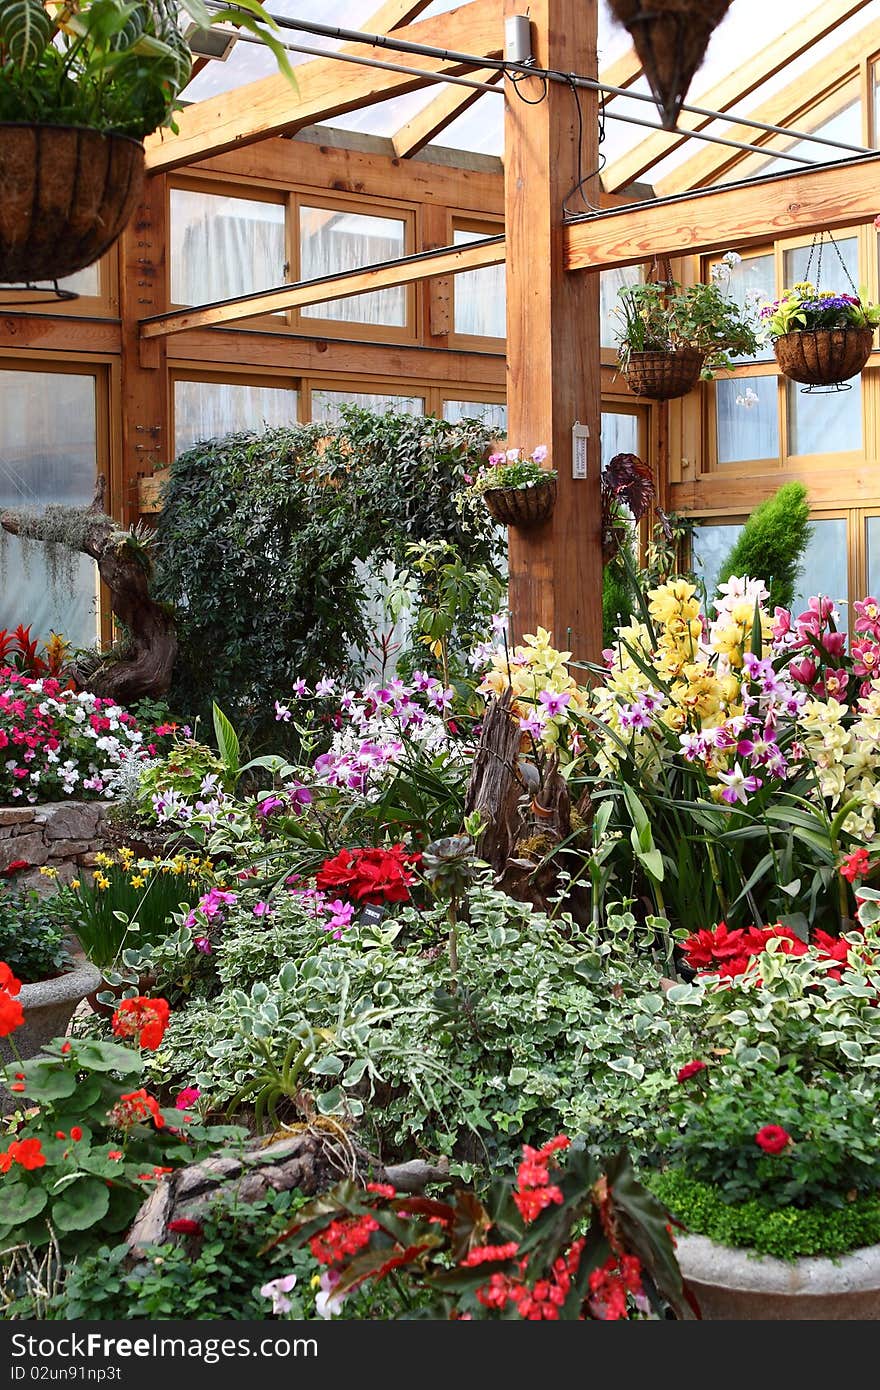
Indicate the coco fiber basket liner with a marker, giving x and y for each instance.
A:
(662, 376)
(522, 506)
(671, 38)
(823, 356)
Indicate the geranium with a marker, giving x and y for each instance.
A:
(773, 1139)
(187, 1097)
(11, 1012)
(136, 1107)
(142, 1018)
(370, 875)
(27, 1153)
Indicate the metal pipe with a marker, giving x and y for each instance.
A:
(527, 69)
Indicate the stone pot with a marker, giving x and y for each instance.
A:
(739, 1286)
(48, 1008)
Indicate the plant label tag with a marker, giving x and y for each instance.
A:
(372, 915)
(579, 447)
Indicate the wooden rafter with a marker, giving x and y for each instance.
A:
(325, 87)
(624, 71)
(450, 260)
(783, 107)
(804, 202)
(733, 88)
(446, 107)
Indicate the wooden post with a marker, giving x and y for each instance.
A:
(145, 443)
(553, 359)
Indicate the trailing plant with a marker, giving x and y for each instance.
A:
(662, 316)
(772, 544)
(514, 469)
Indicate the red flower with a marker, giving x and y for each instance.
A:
(143, 1018)
(11, 1014)
(382, 1189)
(773, 1139)
(342, 1237)
(855, 865)
(76, 1134)
(482, 1254)
(14, 868)
(184, 1226)
(134, 1107)
(369, 875)
(709, 946)
(114, 1154)
(154, 1174)
(25, 1152)
(690, 1069)
(65, 1047)
(8, 980)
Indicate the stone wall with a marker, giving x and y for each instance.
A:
(63, 835)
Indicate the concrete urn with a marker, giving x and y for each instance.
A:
(738, 1286)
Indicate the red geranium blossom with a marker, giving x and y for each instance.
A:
(8, 980)
(690, 1069)
(25, 1152)
(11, 1012)
(134, 1107)
(184, 1226)
(773, 1139)
(369, 875)
(143, 1018)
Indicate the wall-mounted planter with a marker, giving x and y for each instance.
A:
(68, 193)
(522, 506)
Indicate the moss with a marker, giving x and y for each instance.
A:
(772, 544)
(786, 1232)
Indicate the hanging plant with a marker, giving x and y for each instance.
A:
(670, 38)
(518, 490)
(820, 338)
(669, 336)
(80, 86)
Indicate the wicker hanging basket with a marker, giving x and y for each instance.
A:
(671, 38)
(67, 193)
(663, 376)
(823, 356)
(522, 506)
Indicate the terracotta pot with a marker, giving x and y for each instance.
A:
(522, 506)
(145, 984)
(68, 193)
(48, 1008)
(671, 38)
(663, 376)
(823, 356)
(738, 1285)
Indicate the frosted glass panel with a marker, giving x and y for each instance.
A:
(824, 422)
(750, 284)
(747, 418)
(710, 547)
(222, 247)
(332, 242)
(85, 282)
(480, 295)
(825, 567)
(48, 454)
(213, 409)
(326, 404)
(494, 416)
(829, 274)
(620, 435)
(872, 539)
(610, 318)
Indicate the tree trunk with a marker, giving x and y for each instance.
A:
(145, 664)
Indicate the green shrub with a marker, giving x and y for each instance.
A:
(786, 1232)
(772, 544)
(33, 931)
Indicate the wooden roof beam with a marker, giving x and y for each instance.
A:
(836, 196)
(782, 108)
(325, 88)
(735, 87)
(449, 260)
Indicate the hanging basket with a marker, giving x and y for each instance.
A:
(670, 38)
(522, 506)
(67, 193)
(663, 376)
(823, 356)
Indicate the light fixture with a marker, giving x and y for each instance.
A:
(216, 42)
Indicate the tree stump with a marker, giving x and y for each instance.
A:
(144, 665)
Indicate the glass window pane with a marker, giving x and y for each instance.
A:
(750, 283)
(332, 242)
(872, 538)
(610, 282)
(620, 435)
(710, 547)
(222, 247)
(85, 282)
(326, 404)
(824, 422)
(845, 125)
(747, 419)
(825, 566)
(214, 409)
(48, 454)
(493, 415)
(827, 273)
(480, 296)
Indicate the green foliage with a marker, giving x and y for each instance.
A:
(831, 1121)
(32, 934)
(110, 65)
(216, 1272)
(263, 541)
(805, 307)
(662, 316)
(100, 1138)
(617, 602)
(772, 544)
(181, 772)
(786, 1232)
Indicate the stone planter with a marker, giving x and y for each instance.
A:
(738, 1286)
(48, 1008)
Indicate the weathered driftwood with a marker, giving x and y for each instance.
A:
(309, 1162)
(145, 663)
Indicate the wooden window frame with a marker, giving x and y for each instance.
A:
(461, 220)
(218, 376)
(362, 386)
